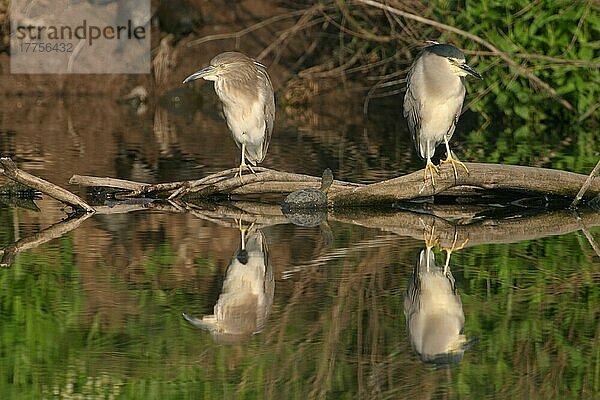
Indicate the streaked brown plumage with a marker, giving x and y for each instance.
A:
(244, 87)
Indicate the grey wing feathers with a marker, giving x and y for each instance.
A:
(454, 122)
(412, 111)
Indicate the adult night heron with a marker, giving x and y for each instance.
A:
(244, 87)
(434, 97)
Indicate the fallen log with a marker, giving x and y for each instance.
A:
(482, 178)
(494, 177)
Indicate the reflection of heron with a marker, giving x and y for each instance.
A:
(433, 311)
(247, 294)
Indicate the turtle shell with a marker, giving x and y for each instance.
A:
(305, 199)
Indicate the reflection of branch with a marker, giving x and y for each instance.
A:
(591, 240)
(57, 230)
(385, 240)
(56, 192)
(471, 225)
(251, 213)
(486, 231)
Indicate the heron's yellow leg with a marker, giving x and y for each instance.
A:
(243, 162)
(243, 231)
(450, 159)
(429, 169)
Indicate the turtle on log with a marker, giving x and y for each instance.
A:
(308, 207)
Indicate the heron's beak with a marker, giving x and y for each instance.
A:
(200, 74)
(470, 70)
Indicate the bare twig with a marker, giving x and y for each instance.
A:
(338, 71)
(268, 176)
(542, 57)
(362, 33)
(303, 23)
(237, 35)
(57, 230)
(11, 171)
(85, 180)
(586, 185)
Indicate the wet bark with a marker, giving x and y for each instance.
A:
(488, 177)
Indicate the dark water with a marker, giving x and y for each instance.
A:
(344, 311)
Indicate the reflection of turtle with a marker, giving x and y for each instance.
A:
(308, 207)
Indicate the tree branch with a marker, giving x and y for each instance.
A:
(494, 178)
(11, 171)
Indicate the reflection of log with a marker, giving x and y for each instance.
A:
(57, 230)
(60, 194)
(485, 231)
(492, 178)
(472, 226)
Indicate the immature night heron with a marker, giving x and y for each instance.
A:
(245, 89)
(434, 314)
(247, 294)
(434, 97)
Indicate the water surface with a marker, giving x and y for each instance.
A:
(96, 312)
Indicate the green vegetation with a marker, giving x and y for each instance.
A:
(558, 42)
